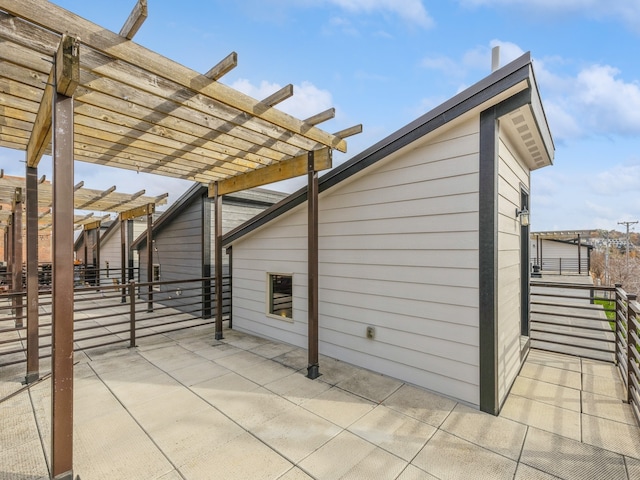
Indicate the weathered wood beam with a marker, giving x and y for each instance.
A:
(92, 225)
(284, 170)
(219, 130)
(64, 77)
(42, 179)
(136, 18)
(78, 186)
(102, 195)
(321, 117)
(160, 197)
(348, 132)
(279, 96)
(138, 212)
(57, 19)
(225, 65)
(131, 198)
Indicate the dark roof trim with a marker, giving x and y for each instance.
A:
(187, 198)
(474, 96)
(196, 191)
(573, 242)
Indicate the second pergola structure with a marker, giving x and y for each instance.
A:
(27, 204)
(79, 91)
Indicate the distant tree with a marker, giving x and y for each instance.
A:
(617, 269)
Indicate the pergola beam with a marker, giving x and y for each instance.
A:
(59, 20)
(133, 197)
(321, 117)
(348, 132)
(225, 65)
(64, 76)
(138, 212)
(279, 96)
(293, 167)
(136, 18)
(97, 198)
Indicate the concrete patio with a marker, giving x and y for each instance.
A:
(182, 406)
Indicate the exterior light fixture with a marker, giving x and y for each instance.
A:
(523, 214)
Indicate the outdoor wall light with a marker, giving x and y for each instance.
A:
(524, 216)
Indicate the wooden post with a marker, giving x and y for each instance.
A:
(62, 291)
(16, 270)
(579, 256)
(312, 266)
(217, 201)
(58, 99)
(150, 248)
(123, 258)
(97, 246)
(206, 256)
(33, 360)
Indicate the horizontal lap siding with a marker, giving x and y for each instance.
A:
(511, 175)
(398, 249)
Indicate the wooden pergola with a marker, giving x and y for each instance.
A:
(77, 91)
(36, 218)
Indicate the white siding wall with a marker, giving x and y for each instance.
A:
(398, 251)
(553, 251)
(511, 175)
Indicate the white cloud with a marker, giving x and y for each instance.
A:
(594, 100)
(478, 58)
(444, 64)
(627, 11)
(307, 99)
(412, 11)
(618, 180)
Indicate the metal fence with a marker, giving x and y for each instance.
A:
(561, 265)
(112, 314)
(572, 319)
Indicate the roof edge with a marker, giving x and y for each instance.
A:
(477, 94)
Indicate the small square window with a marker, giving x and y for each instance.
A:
(156, 276)
(280, 295)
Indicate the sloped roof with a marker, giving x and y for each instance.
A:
(513, 78)
(256, 196)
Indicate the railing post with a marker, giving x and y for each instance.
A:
(132, 314)
(560, 265)
(631, 344)
(616, 299)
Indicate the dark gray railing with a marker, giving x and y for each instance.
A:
(562, 265)
(111, 314)
(600, 323)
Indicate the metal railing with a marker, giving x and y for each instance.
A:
(595, 322)
(83, 275)
(562, 265)
(112, 314)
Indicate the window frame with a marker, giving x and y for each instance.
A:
(269, 296)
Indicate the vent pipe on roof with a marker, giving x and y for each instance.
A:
(495, 58)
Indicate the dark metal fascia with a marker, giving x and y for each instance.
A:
(483, 91)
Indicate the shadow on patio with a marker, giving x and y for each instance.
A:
(181, 406)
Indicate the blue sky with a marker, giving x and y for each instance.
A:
(383, 63)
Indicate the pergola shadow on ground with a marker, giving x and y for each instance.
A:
(81, 92)
(183, 406)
